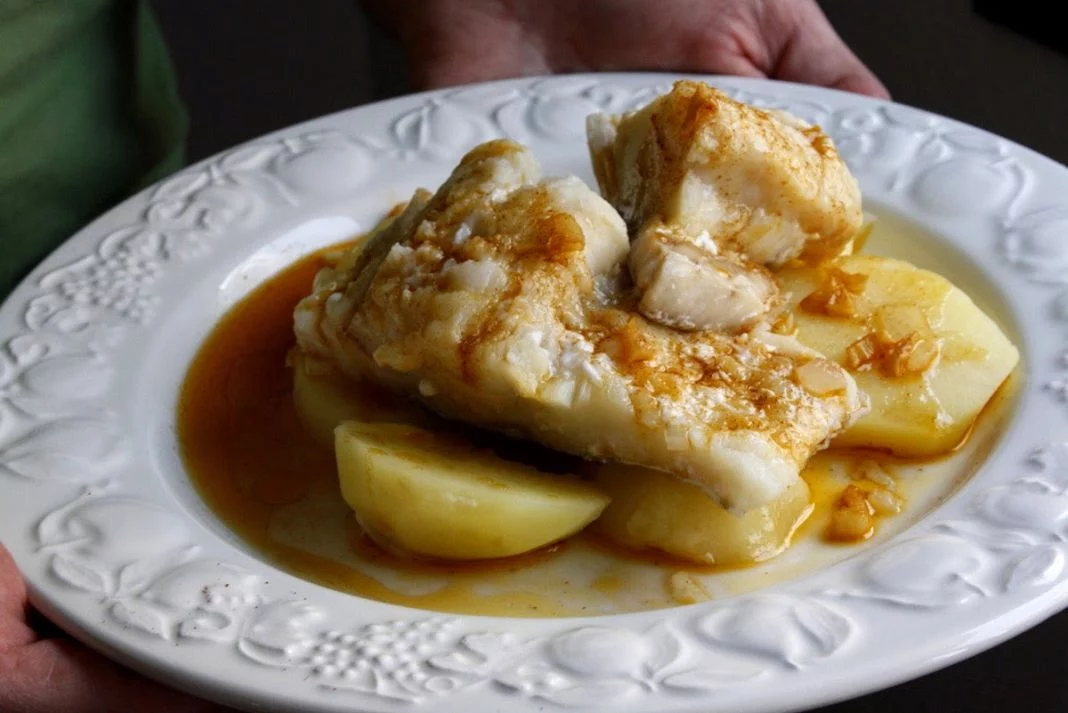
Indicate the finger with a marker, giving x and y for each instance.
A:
(863, 83)
(14, 629)
(436, 70)
(727, 63)
(12, 588)
(61, 675)
(815, 54)
(461, 43)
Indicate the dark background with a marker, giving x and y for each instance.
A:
(251, 66)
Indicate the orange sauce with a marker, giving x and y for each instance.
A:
(241, 439)
(252, 463)
(249, 457)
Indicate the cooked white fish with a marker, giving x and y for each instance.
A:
(503, 301)
(713, 190)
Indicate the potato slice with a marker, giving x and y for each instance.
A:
(654, 510)
(324, 398)
(927, 356)
(427, 494)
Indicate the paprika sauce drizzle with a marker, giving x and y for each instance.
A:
(267, 480)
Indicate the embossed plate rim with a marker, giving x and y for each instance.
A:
(186, 606)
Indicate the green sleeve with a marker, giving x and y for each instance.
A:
(89, 112)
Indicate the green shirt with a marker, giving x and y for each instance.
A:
(89, 112)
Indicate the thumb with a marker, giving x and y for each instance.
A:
(815, 54)
(61, 675)
(14, 629)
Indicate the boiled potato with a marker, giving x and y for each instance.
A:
(324, 398)
(925, 354)
(427, 494)
(654, 510)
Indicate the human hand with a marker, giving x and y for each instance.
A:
(43, 671)
(462, 41)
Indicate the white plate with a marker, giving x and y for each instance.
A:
(116, 546)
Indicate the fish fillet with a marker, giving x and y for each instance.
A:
(503, 300)
(713, 191)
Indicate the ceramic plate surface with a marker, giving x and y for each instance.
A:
(116, 545)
